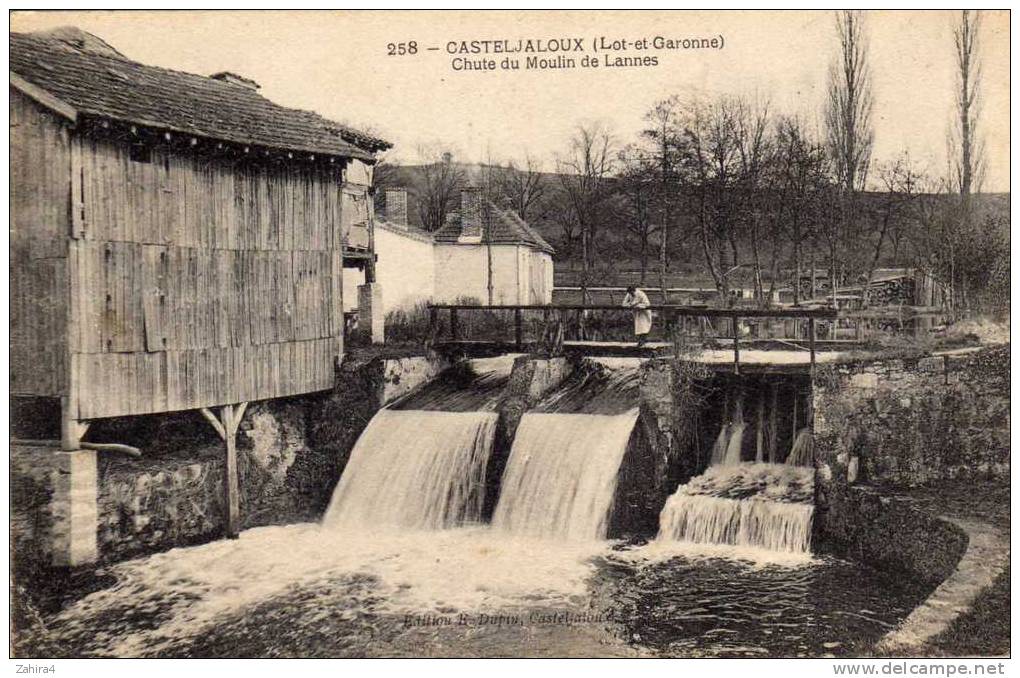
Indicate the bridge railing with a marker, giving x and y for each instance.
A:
(550, 326)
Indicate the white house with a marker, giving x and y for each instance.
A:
(483, 252)
(485, 248)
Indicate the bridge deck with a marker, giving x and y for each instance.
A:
(753, 359)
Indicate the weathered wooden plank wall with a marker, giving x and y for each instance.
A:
(40, 209)
(119, 384)
(201, 281)
(208, 202)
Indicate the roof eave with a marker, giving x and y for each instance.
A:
(163, 127)
(41, 96)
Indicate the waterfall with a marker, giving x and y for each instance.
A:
(751, 505)
(726, 450)
(415, 470)
(802, 453)
(561, 475)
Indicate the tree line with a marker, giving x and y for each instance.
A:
(763, 198)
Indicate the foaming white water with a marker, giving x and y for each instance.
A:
(763, 506)
(771, 525)
(182, 593)
(802, 453)
(561, 475)
(726, 450)
(415, 469)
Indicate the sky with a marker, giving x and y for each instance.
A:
(336, 63)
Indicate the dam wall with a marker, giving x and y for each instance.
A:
(884, 424)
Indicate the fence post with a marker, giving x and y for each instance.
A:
(454, 334)
(811, 342)
(518, 328)
(736, 344)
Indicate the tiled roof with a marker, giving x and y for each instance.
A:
(103, 84)
(405, 230)
(504, 227)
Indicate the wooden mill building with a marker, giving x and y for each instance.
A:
(177, 241)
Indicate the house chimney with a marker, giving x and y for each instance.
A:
(471, 214)
(235, 79)
(396, 206)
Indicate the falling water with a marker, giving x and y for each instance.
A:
(415, 469)
(764, 506)
(473, 385)
(726, 450)
(561, 475)
(803, 449)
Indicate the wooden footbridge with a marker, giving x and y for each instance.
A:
(602, 330)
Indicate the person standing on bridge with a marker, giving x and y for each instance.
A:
(638, 300)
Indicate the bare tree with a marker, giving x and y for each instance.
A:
(440, 180)
(584, 174)
(849, 133)
(968, 160)
(755, 154)
(798, 179)
(638, 192)
(385, 175)
(966, 148)
(899, 183)
(521, 189)
(712, 161)
(665, 141)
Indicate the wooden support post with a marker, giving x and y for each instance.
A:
(759, 455)
(226, 426)
(793, 427)
(773, 430)
(736, 345)
(518, 328)
(71, 430)
(231, 489)
(811, 342)
(433, 324)
(454, 333)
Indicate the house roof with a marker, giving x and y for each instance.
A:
(406, 230)
(81, 71)
(504, 227)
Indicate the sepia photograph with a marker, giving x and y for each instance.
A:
(511, 334)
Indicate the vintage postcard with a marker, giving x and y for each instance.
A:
(348, 334)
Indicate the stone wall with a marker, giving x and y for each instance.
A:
(174, 494)
(32, 487)
(904, 422)
(915, 421)
(291, 453)
(150, 504)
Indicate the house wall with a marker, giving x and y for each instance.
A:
(540, 275)
(40, 207)
(201, 280)
(463, 271)
(406, 269)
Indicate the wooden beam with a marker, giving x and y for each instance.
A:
(72, 430)
(736, 345)
(811, 342)
(112, 447)
(773, 430)
(41, 96)
(239, 415)
(211, 418)
(231, 490)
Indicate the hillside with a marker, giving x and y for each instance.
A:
(617, 247)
